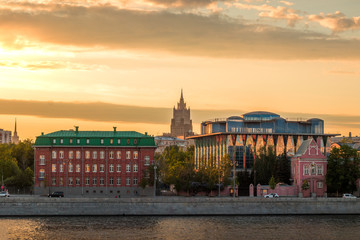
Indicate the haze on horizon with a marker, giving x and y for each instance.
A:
(99, 64)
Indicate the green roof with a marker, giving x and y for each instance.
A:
(95, 138)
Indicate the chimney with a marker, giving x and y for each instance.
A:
(114, 129)
(349, 134)
(77, 129)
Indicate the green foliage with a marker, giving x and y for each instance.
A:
(283, 171)
(143, 182)
(272, 183)
(305, 185)
(342, 170)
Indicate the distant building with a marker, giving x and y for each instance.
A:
(92, 163)
(309, 164)
(164, 142)
(5, 136)
(181, 124)
(15, 138)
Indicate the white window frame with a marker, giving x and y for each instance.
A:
(135, 181)
(87, 154)
(78, 154)
(101, 168)
(128, 181)
(118, 155)
(42, 159)
(147, 160)
(135, 154)
(71, 154)
(102, 154)
(53, 154)
(71, 167)
(128, 154)
(118, 168)
(53, 167)
(118, 181)
(128, 168)
(78, 168)
(101, 181)
(94, 167)
(87, 167)
(135, 168)
(94, 154)
(111, 155)
(111, 168)
(87, 181)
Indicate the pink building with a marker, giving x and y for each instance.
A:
(309, 164)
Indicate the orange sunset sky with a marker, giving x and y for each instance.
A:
(99, 64)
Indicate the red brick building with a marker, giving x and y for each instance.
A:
(92, 163)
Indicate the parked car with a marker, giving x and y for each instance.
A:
(56, 194)
(348, 195)
(271, 195)
(4, 194)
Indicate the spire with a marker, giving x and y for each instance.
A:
(181, 94)
(181, 104)
(15, 138)
(15, 132)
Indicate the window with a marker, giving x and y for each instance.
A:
(87, 181)
(111, 168)
(78, 141)
(313, 170)
(53, 181)
(101, 168)
(53, 154)
(111, 181)
(128, 168)
(61, 182)
(78, 168)
(319, 184)
(135, 181)
(147, 160)
(71, 155)
(70, 141)
(102, 154)
(306, 170)
(119, 141)
(78, 154)
(61, 167)
(61, 154)
(94, 168)
(135, 168)
(118, 168)
(127, 181)
(87, 154)
(94, 181)
(94, 155)
(70, 181)
(135, 154)
(128, 154)
(53, 167)
(77, 181)
(118, 181)
(71, 167)
(87, 167)
(320, 170)
(54, 141)
(101, 181)
(111, 141)
(42, 159)
(87, 141)
(118, 154)
(102, 141)
(111, 155)
(61, 141)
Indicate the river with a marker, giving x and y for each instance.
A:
(202, 227)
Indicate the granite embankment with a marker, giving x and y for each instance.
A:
(41, 206)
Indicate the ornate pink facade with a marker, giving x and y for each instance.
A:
(309, 164)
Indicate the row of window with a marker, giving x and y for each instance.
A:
(88, 141)
(94, 181)
(94, 168)
(54, 155)
(313, 168)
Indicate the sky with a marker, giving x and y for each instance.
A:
(123, 63)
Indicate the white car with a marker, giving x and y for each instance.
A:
(4, 194)
(348, 195)
(271, 195)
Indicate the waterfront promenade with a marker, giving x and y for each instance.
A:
(174, 206)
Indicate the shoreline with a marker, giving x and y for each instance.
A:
(176, 206)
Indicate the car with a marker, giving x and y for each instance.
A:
(348, 195)
(56, 194)
(4, 194)
(271, 195)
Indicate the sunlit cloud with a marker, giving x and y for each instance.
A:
(337, 22)
(48, 65)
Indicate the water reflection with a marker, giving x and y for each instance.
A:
(225, 227)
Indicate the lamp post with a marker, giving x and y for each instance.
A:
(155, 167)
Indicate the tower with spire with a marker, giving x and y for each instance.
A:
(181, 124)
(15, 138)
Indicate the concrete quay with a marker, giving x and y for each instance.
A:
(174, 206)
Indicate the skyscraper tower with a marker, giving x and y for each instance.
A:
(15, 138)
(181, 124)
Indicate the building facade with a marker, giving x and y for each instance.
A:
(241, 138)
(164, 142)
(181, 124)
(310, 165)
(92, 163)
(5, 136)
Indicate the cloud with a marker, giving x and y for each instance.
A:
(337, 21)
(109, 27)
(287, 3)
(187, 3)
(48, 65)
(278, 12)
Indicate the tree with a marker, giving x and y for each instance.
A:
(265, 165)
(305, 185)
(283, 171)
(343, 170)
(272, 183)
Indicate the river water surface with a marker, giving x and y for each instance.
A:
(216, 227)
